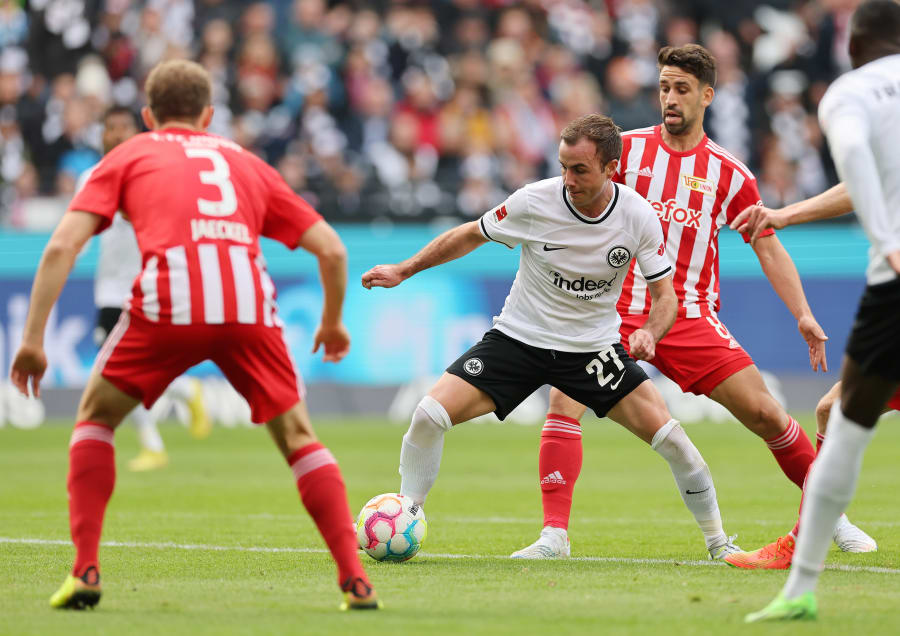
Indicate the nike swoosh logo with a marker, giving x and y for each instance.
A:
(618, 382)
(696, 492)
(553, 249)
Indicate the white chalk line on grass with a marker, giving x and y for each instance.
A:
(167, 545)
(492, 520)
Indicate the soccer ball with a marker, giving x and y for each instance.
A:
(391, 527)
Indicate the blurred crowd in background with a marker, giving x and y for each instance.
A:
(393, 111)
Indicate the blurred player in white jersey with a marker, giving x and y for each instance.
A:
(696, 187)
(559, 325)
(118, 264)
(860, 115)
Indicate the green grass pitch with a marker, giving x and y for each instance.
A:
(217, 543)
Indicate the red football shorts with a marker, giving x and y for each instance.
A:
(142, 358)
(697, 353)
(894, 402)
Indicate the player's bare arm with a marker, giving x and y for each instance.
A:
(778, 267)
(323, 242)
(449, 246)
(663, 311)
(70, 235)
(755, 219)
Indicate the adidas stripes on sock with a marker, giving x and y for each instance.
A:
(559, 465)
(793, 452)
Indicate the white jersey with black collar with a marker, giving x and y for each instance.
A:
(572, 266)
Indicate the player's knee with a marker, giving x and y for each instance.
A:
(562, 404)
(429, 423)
(675, 446)
(823, 412)
(766, 418)
(93, 408)
(292, 430)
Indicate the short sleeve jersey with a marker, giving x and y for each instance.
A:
(862, 107)
(694, 193)
(198, 204)
(572, 266)
(118, 261)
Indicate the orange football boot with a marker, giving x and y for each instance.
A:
(775, 556)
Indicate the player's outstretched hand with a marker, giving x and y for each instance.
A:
(383, 276)
(815, 339)
(756, 219)
(641, 345)
(29, 364)
(334, 339)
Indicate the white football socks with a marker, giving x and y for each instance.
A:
(148, 433)
(829, 489)
(423, 444)
(693, 479)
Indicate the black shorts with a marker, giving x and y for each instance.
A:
(874, 342)
(509, 371)
(107, 318)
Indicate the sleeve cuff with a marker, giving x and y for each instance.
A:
(488, 236)
(658, 274)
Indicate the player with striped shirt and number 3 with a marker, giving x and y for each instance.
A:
(696, 187)
(198, 204)
(559, 325)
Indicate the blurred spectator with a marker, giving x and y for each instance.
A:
(777, 181)
(13, 23)
(729, 117)
(792, 125)
(630, 105)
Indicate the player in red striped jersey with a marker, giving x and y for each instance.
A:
(696, 187)
(198, 204)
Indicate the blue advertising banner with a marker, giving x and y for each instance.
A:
(418, 328)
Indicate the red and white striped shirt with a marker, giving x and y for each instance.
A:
(694, 194)
(198, 204)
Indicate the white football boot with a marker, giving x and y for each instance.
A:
(719, 551)
(552, 544)
(849, 538)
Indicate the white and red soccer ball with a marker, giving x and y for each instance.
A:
(391, 527)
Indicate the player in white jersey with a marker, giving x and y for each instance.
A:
(860, 115)
(118, 264)
(696, 188)
(559, 325)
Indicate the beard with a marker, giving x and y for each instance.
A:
(678, 129)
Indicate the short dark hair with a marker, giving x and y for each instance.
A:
(599, 129)
(690, 58)
(178, 90)
(877, 21)
(122, 110)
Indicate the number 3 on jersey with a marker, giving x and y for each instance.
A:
(595, 366)
(219, 176)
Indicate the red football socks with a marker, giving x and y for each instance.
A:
(793, 452)
(325, 498)
(559, 466)
(92, 476)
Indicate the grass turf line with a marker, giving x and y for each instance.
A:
(234, 490)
